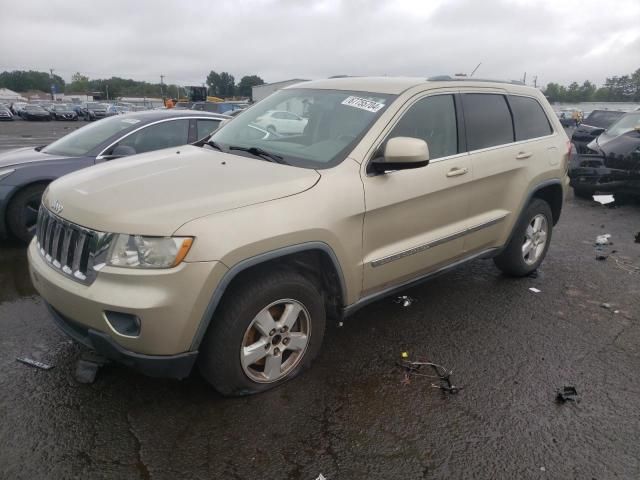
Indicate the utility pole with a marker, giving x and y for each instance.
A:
(162, 86)
(53, 95)
(535, 81)
(474, 70)
(107, 87)
(524, 78)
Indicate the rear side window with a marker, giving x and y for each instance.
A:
(487, 120)
(529, 119)
(432, 119)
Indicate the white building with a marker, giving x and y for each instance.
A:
(263, 91)
(10, 96)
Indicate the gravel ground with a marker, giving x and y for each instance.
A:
(352, 416)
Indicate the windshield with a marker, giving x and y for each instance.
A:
(306, 127)
(601, 118)
(85, 139)
(61, 108)
(33, 108)
(626, 123)
(96, 106)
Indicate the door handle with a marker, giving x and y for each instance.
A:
(456, 172)
(523, 155)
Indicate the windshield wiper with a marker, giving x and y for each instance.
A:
(259, 152)
(213, 144)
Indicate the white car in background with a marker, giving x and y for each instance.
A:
(281, 121)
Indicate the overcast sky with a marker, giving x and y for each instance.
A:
(557, 40)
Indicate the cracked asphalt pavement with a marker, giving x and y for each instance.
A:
(352, 416)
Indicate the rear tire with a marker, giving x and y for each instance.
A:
(22, 212)
(530, 241)
(244, 323)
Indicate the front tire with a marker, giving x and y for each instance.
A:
(22, 213)
(266, 331)
(530, 241)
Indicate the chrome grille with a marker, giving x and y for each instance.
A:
(70, 248)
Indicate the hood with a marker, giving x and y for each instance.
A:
(25, 155)
(157, 192)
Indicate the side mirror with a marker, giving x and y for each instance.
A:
(120, 151)
(597, 131)
(402, 153)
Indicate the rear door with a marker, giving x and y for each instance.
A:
(507, 141)
(415, 219)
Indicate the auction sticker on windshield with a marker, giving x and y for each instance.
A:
(363, 104)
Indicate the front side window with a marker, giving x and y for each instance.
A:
(432, 119)
(161, 135)
(326, 125)
(487, 120)
(205, 127)
(529, 119)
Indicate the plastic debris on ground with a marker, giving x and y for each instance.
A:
(604, 199)
(87, 367)
(567, 394)
(606, 305)
(534, 290)
(442, 374)
(404, 300)
(603, 239)
(34, 363)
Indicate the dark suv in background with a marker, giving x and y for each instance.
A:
(592, 126)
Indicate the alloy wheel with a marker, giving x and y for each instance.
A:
(275, 341)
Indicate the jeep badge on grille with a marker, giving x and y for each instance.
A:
(56, 207)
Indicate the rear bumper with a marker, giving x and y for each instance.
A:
(169, 366)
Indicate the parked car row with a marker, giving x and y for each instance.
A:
(89, 111)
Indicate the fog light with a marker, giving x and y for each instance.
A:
(123, 324)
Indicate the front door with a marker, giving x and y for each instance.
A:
(415, 219)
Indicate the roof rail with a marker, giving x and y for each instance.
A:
(449, 78)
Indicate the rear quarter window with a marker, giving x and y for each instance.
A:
(487, 120)
(529, 118)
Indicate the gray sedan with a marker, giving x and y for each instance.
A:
(26, 172)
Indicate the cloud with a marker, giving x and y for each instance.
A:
(280, 39)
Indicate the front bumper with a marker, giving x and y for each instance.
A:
(169, 303)
(169, 366)
(589, 173)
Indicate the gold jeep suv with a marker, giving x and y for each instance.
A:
(231, 253)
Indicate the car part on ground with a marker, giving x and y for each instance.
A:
(238, 251)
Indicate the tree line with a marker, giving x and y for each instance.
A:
(625, 88)
(219, 84)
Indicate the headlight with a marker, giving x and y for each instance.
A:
(136, 251)
(6, 173)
